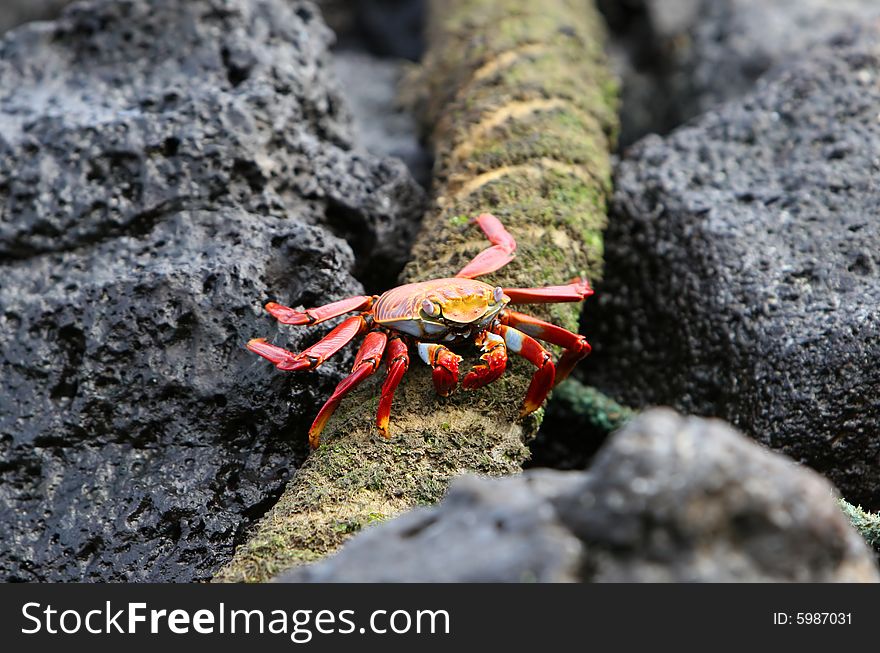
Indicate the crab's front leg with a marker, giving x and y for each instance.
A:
(542, 380)
(494, 361)
(445, 365)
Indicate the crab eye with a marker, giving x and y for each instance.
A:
(430, 308)
(498, 294)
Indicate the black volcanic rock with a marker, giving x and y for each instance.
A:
(722, 47)
(679, 58)
(137, 433)
(685, 499)
(165, 168)
(743, 268)
(667, 499)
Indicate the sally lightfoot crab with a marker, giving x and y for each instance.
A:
(432, 316)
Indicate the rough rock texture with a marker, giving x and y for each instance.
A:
(257, 126)
(731, 43)
(679, 58)
(166, 167)
(743, 274)
(668, 499)
(686, 499)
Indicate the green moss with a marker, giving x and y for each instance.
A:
(866, 523)
(578, 194)
(597, 410)
(548, 177)
(558, 135)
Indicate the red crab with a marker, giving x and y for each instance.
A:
(434, 314)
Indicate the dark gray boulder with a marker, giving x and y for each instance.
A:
(668, 499)
(726, 45)
(743, 268)
(121, 109)
(679, 58)
(138, 435)
(674, 499)
(165, 168)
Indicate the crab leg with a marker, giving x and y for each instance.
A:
(542, 380)
(316, 354)
(445, 365)
(397, 360)
(495, 361)
(575, 291)
(367, 361)
(495, 257)
(287, 315)
(576, 346)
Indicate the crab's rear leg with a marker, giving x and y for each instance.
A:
(576, 346)
(445, 366)
(542, 380)
(397, 360)
(495, 257)
(310, 316)
(316, 354)
(494, 361)
(368, 358)
(575, 291)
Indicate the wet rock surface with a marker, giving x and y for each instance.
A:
(166, 168)
(667, 499)
(742, 268)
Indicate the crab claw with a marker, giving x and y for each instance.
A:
(445, 365)
(495, 362)
(445, 380)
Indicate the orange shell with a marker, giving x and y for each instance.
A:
(462, 300)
